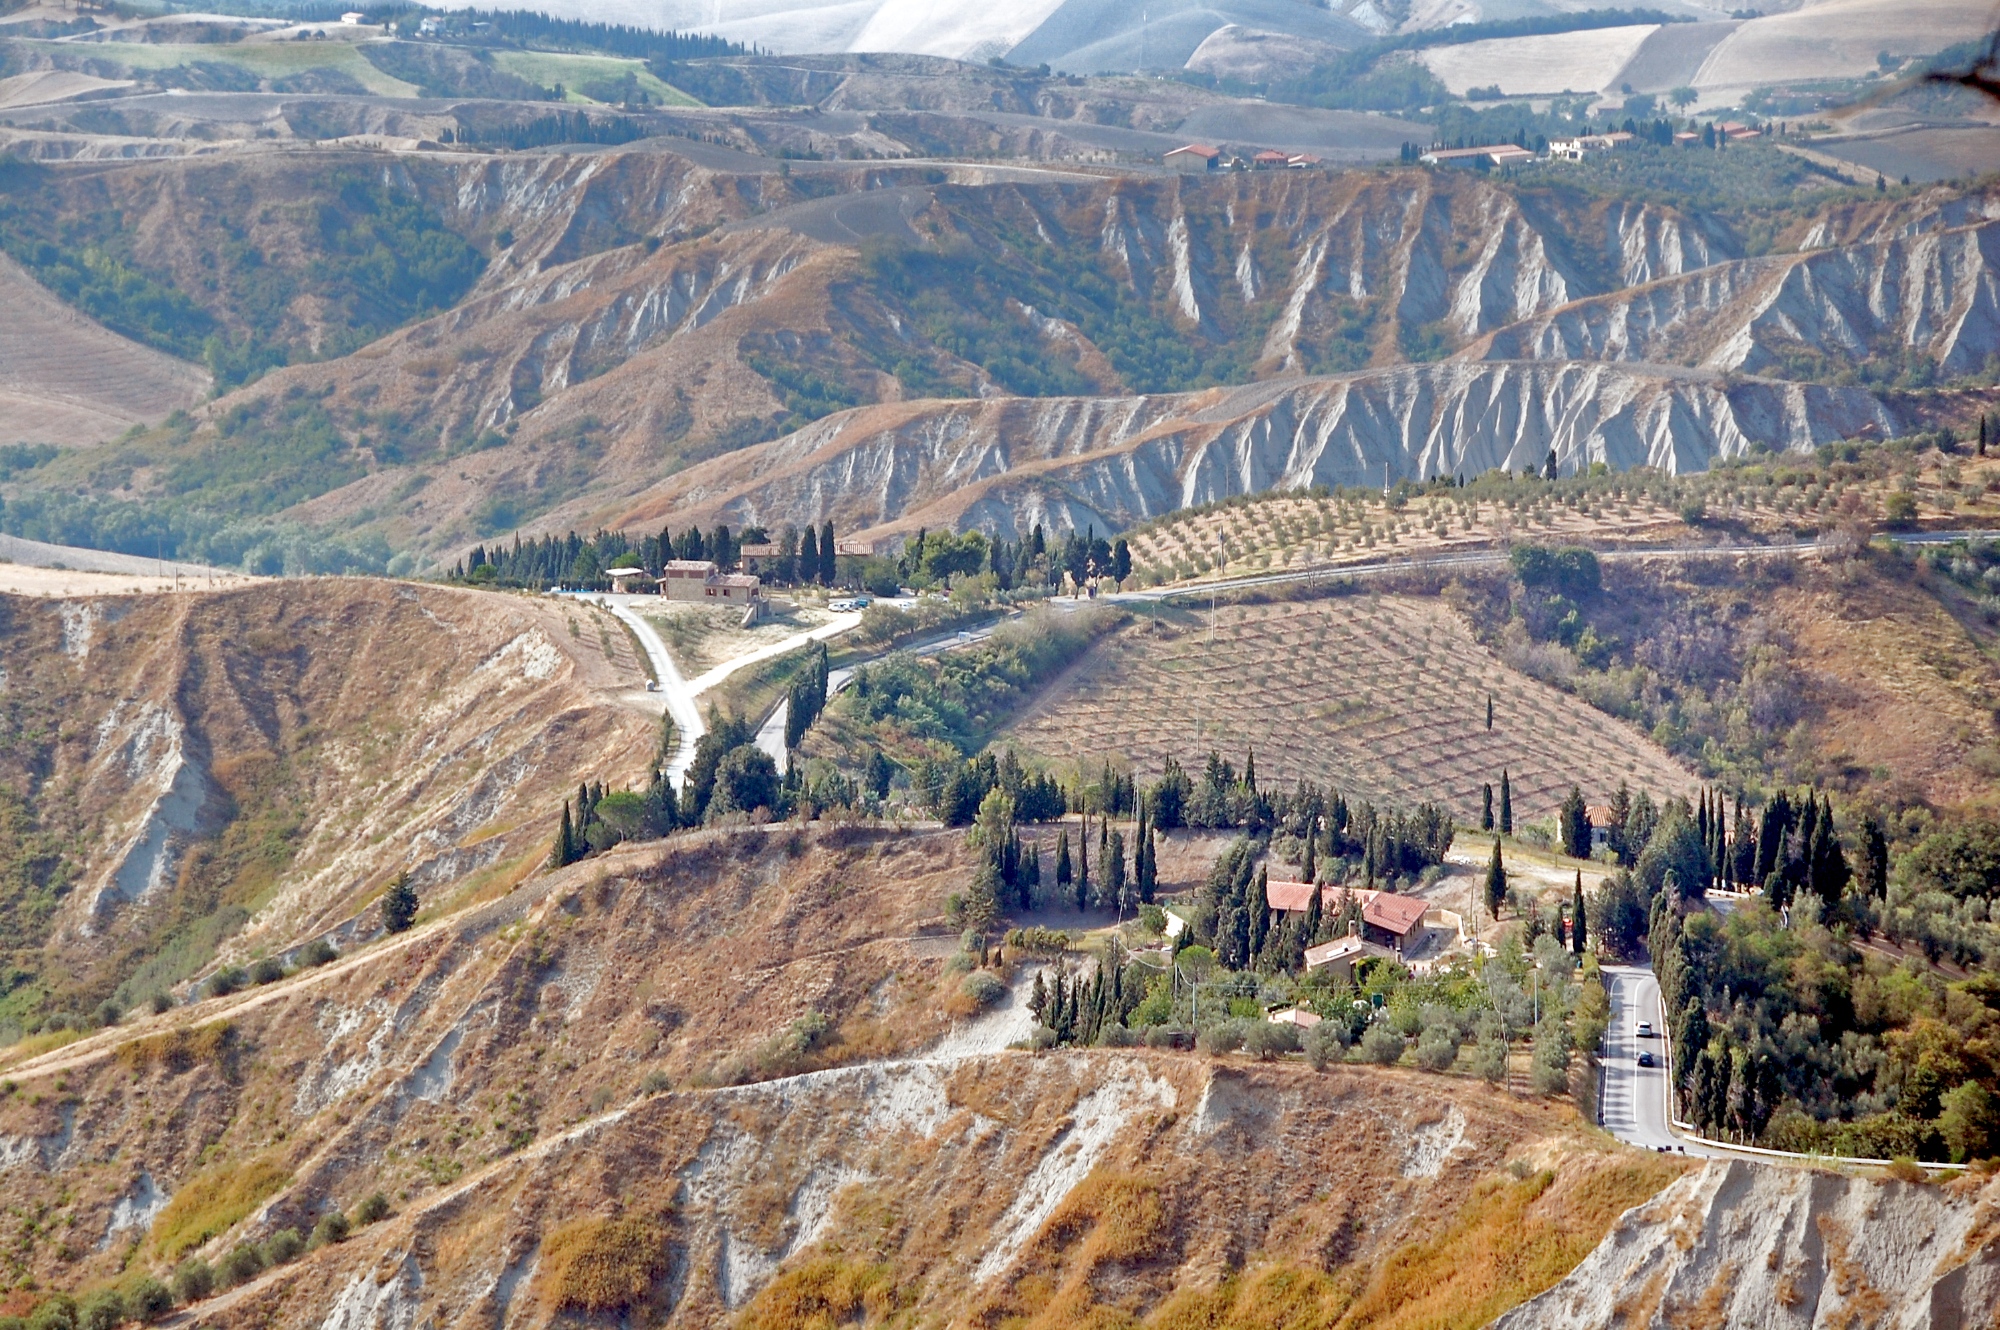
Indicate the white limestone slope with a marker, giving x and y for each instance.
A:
(1004, 464)
(1930, 293)
(1759, 1247)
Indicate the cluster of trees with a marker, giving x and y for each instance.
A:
(541, 32)
(933, 557)
(580, 561)
(955, 700)
(806, 698)
(1079, 1009)
(1006, 878)
(954, 792)
(597, 820)
(1781, 1031)
(544, 131)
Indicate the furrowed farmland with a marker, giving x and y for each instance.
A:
(1381, 696)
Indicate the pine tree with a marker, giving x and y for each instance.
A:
(1486, 806)
(1496, 882)
(399, 904)
(1506, 803)
(1578, 931)
(1038, 998)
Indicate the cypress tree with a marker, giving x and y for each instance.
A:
(1083, 866)
(1114, 872)
(808, 557)
(564, 850)
(1506, 803)
(1496, 882)
(1874, 859)
(1149, 868)
(1260, 915)
(1489, 712)
(1310, 869)
(826, 553)
(1063, 870)
(1575, 825)
(1486, 806)
(1315, 920)
(1579, 930)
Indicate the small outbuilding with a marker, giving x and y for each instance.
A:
(1193, 158)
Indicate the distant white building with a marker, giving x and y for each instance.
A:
(1584, 145)
(1495, 154)
(352, 18)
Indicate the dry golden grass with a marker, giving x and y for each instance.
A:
(180, 1049)
(1511, 1239)
(210, 1203)
(820, 1295)
(1383, 697)
(602, 1265)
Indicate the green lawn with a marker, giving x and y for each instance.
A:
(267, 60)
(549, 68)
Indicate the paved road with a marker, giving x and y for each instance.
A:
(1635, 1097)
(688, 727)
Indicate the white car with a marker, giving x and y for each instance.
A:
(1645, 1030)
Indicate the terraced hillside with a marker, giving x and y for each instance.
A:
(1381, 697)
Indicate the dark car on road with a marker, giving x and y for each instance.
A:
(1645, 1059)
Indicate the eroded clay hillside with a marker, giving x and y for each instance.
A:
(424, 1058)
(1024, 349)
(1008, 464)
(178, 766)
(524, 1081)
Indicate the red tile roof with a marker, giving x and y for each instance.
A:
(1384, 909)
(1293, 896)
(1397, 914)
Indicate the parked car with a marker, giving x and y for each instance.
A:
(1646, 1059)
(1645, 1029)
